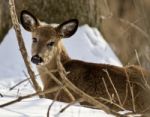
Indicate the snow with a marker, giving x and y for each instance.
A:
(25, 109)
(87, 44)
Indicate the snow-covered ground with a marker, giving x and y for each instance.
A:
(87, 44)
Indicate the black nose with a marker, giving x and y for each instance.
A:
(36, 59)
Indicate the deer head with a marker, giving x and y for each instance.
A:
(45, 37)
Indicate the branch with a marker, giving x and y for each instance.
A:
(31, 95)
(60, 84)
(70, 104)
(19, 83)
(21, 44)
(56, 96)
(116, 92)
(131, 89)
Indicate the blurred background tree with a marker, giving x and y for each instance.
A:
(123, 23)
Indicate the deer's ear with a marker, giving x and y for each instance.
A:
(28, 21)
(68, 28)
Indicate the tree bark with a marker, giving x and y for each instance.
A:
(128, 30)
(120, 21)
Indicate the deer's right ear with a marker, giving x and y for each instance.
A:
(28, 21)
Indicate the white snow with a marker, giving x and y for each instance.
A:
(87, 44)
(26, 109)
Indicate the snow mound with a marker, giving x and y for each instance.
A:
(89, 45)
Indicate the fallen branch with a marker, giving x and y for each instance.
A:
(21, 45)
(20, 98)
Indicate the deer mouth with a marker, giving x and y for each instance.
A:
(37, 60)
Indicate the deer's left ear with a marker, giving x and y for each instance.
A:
(68, 28)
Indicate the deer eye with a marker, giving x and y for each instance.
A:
(34, 40)
(50, 44)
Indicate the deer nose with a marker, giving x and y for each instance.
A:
(36, 59)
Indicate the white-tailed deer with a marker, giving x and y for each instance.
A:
(98, 80)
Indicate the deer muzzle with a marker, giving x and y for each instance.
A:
(36, 59)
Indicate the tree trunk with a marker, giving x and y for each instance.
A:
(87, 11)
(5, 21)
(129, 30)
(123, 23)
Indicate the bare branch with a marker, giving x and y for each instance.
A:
(70, 104)
(48, 111)
(144, 79)
(126, 94)
(19, 83)
(60, 84)
(21, 44)
(111, 102)
(116, 92)
(54, 89)
(107, 90)
(132, 94)
(133, 25)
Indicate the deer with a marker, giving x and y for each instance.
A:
(95, 79)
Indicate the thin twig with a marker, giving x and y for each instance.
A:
(116, 92)
(30, 95)
(19, 83)
(1, 95)
(113, 103)
(59, 83)
(58, 92)
(126, 96)
(21, 44)
(145, 110)
(133, 25)
(132, 94)
(29, 80)
(107, 90)
(70, 104)
(146, 83)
